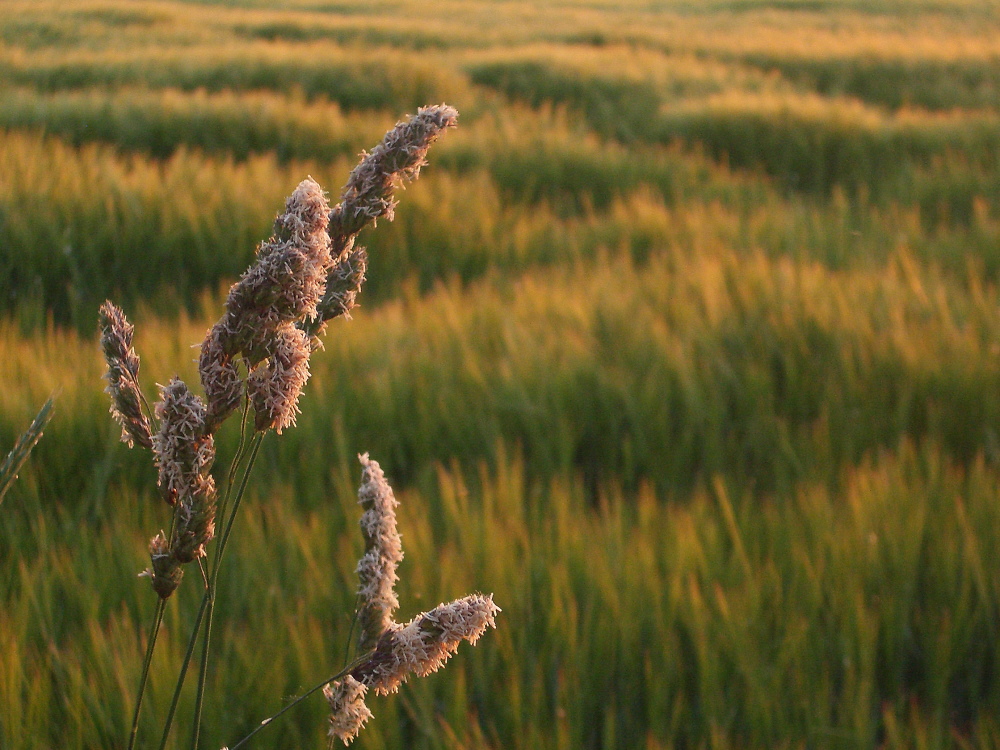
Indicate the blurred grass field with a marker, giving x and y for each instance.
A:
(686, 346)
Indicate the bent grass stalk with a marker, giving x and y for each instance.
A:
(296, 701)
(23, 447)
(306, 274)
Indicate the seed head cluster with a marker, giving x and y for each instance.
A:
(395, 651)
(307, 273)
(184, 453)
(282, 288)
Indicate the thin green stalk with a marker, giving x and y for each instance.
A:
(203, 669)
(183, 673)
(297, 701)
(212, 581)
(234, 466)
(236, 503)
(161, 605)
(350, 633)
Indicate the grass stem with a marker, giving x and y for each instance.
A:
(299, 699)
(154, 631)
(211, 579)
(205, 600)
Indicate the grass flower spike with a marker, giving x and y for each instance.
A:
(123, 376)
(424, 644)
(221, 380)
(287, 280)
(348, 712)
(184, 456)
(368, 195)
(274, 387)
(383, 553)
(343, 284)
(184, 453)
(394, 651)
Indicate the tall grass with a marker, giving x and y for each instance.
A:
(672, 373)
(685, 346)
(76, 220)
(864, 616)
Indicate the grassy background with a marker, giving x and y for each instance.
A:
(686, 346)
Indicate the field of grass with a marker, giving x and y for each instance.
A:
(686, 345)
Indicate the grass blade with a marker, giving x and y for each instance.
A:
(22, 449)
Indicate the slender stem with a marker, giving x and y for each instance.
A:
(145, 404)
(208, 592)
(236, 503)
(302, 697)
(183, 672)
(203, 670)
(350, 633)
(210, 582)
(161, 605)
(154, 631)
(234, 466)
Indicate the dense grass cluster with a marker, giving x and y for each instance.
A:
(686, 345)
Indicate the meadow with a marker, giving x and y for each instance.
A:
(685, 345)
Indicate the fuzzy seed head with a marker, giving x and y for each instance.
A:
(220, 378)
(348, 710)
(343, 285)
(425, 643)
(287, 281)
(383, 553)
(274, 387)
(123, 376)
(196, 521)
(368, 195)
(166, 572)
(182, 450)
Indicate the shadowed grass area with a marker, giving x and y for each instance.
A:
(934, 85)
(392, 80)
(671, 373)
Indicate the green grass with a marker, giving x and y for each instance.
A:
(815, 618)
(684, 345)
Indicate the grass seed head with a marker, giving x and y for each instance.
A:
(184, 452)
(368, 195)
(220, 379)
(166, 572)
(348, 712)
(196, 521)
(425, 643)
(343, 285)
(287, 280)
(274, 386)
(383, 553)
(123, 376)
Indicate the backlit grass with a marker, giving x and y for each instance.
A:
(685, 346)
